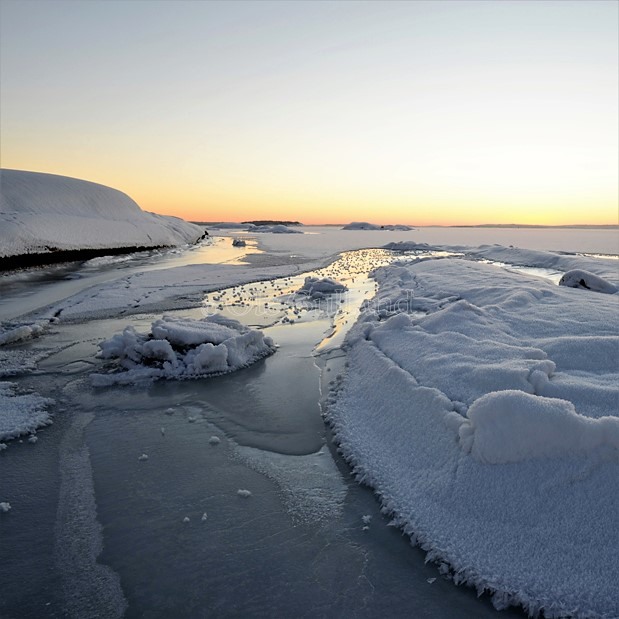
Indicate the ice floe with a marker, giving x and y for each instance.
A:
(21, 413)
(182, 348)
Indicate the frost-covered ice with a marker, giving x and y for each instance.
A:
(312, 488)
(40, 213)
(318, 288)
(21, 413)
(483, 407)
(182, 348)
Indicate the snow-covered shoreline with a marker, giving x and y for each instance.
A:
(527, 512)
(49, 218)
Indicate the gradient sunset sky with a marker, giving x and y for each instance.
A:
(393, 112)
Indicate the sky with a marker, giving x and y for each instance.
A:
(423, 113)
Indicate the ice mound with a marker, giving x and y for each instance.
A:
(238, 243)
(511, 426)
(21, 414)
(19, 334)
(182, 348)
(577, 278)
(42, 213)
(317, 288)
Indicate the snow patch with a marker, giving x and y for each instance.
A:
(21, 414)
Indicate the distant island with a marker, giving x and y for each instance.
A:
(272, 222)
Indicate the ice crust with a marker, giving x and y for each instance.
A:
(40, 213)
(21, 413)
(182, 348)
(483, 408)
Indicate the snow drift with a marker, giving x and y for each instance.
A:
(45, 213)
(182, 348)
(512, 426)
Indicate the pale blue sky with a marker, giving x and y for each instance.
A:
(322, 105)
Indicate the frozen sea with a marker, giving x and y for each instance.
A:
(223, 496)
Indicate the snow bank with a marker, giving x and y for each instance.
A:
(43, 213)
(483, 408)
(182, 348)
(510, 426)
(578, 278)
(21, 414)
(317, 288)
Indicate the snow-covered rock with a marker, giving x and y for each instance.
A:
(578, 278)
(43, 213)
(239, 243)
(318, 288)
(182, 348)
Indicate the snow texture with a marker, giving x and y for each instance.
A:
(578, 278)
(40, 213)
(311, 486)
(483, 408)
(182, 348)
(318, 288)
(21, 413)
(15, 335)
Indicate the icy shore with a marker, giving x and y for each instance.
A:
(46, 214)
(482, 407)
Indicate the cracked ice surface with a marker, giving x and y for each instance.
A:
(528, 509)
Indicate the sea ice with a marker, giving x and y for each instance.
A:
(21, 413)
(182, 348)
